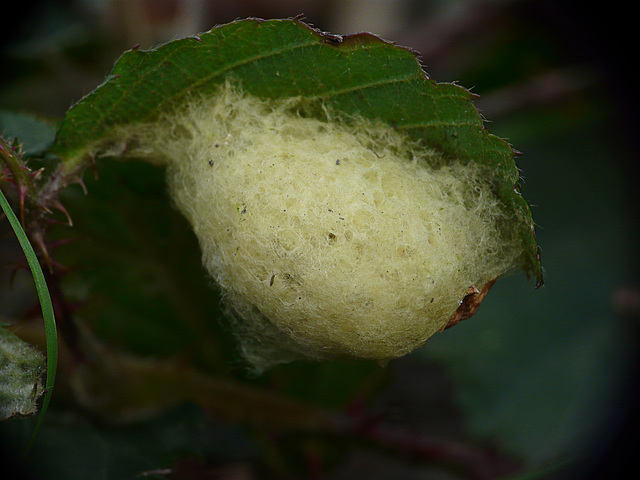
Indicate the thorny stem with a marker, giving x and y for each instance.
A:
(11, 158)
(20, 175)
(47, 197)
(36, 200)
(59, 180)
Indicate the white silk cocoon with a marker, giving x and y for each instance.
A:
(328, 238)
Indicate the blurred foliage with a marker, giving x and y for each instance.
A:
(544, 377)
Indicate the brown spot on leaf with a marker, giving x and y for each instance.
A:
(470, 304)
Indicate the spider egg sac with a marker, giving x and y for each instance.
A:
(330, 238)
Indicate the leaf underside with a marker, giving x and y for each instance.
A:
(356, 74)
(21, 367)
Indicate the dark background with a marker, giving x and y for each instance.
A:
(558, 80)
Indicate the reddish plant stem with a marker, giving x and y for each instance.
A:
(477, 463)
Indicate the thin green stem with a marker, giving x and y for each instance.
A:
(47, 310)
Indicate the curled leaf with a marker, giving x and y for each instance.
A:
(357, 74)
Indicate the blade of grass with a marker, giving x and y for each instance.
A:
(47, 311)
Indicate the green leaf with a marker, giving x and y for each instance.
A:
(35, 134)
(355, 74)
